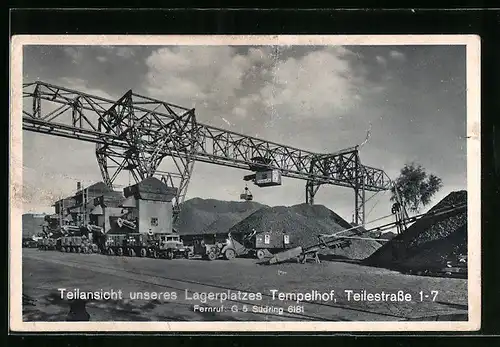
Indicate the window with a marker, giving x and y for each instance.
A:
(154, 222)
(286, 239)
(267, 239)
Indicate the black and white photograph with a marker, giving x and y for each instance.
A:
(245, 183)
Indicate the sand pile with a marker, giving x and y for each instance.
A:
(430, 242)
(212, 216)
(304, 223)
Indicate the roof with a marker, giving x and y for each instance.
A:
(109, 199)
(68, 202)
(151, 189)
(99, 187)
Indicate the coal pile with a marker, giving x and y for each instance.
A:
(386, 236)
(438, 254)
(430, 242)
(304, 223)
(210, 216)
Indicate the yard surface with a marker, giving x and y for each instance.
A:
(44, 272)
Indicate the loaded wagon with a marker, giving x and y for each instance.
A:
(159, 245)
(77, 244)
(264, 244)
(47, 243)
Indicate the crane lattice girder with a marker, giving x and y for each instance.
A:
(136, 120)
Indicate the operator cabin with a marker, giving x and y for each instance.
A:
(149, 206)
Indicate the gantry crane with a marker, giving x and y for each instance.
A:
(136, 133)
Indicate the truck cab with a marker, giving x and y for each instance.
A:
(171, 246)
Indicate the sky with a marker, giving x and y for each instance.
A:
(318, 98)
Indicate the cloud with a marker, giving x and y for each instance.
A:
(74, 53)
(381, 60)
(194, 75)
(124, 52)
(83, 86)
(263, 91)
(396, 55)
(314, 86)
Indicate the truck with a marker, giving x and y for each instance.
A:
(77, 240)
(47, 243)
(170, 246)
(211, 248)
(71, 244)
(115, 244)
(77, 244)
(159, 245)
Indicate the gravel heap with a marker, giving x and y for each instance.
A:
(304, 223)
(211, 216)
(430, 242)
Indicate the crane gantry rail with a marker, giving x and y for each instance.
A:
(135, 133)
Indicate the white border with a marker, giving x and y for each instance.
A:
(472, 43)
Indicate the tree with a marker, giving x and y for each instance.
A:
(415, 187)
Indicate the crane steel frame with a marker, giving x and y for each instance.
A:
(135, 133)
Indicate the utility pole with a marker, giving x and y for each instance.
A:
(84, 205)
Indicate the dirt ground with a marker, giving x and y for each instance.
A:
(44, 272)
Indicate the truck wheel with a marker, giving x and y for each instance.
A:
(260, 254)
(212, 256)
(302, 258)
(131, 253)
(156, 254)
(187, 255)
(170, 254)
(229, 254)
(63, 249)
(120, 251)
(143, 252)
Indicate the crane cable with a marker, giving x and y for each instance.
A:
(442, 210)
(376, 202)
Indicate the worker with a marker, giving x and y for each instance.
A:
(77, 311)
